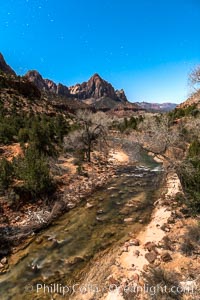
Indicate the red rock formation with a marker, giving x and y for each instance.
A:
(46, 84)
(4, 67)
(35, 77)
(96, 88)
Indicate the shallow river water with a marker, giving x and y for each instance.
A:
(58, 253)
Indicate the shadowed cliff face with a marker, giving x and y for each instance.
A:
(4, 67)
(19, 87)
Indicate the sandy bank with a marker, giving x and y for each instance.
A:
(118, 157)
(132, 261)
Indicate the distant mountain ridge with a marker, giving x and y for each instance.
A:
(163, 107)
(96, 93)
(194, 99)
(92, 91)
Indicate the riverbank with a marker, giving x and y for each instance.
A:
(18, 227)
(65, 251)
(105, 241)
(126, 266)
(161, 246)
(142, 250)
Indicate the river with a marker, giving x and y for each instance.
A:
(58, 254)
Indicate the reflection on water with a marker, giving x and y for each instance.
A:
(59, 252)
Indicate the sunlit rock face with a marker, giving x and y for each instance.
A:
(96, 88)
(96, 92)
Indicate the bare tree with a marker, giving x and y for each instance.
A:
(194, 77)
(93, 131)
(156, 133)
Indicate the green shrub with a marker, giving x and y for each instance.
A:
(23, 135)
(34, 171)
(6, 173)
(41, 131)
(6, 133)
(189, 174)
(127, 124)
(179, 113)
(194, 149)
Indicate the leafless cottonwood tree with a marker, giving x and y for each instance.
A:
(194, 77)
(93, 131)
(157, 135)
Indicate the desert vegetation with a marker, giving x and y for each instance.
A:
(189, 172)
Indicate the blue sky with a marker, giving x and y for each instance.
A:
(146, 47)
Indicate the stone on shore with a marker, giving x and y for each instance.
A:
(134, 242)
(151, 257)
(166, 257)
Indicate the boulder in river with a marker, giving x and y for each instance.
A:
(89, 205)
(4, 261)
(128, 220)
(71, 205)
(99, 219)
(1, 266)
(100, 211)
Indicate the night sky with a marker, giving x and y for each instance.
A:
(146, 47)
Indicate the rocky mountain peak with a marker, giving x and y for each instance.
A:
(96, 88)
(4, 67)
(36, 78)
(96, 75)
(46, 85)
(92, 91)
